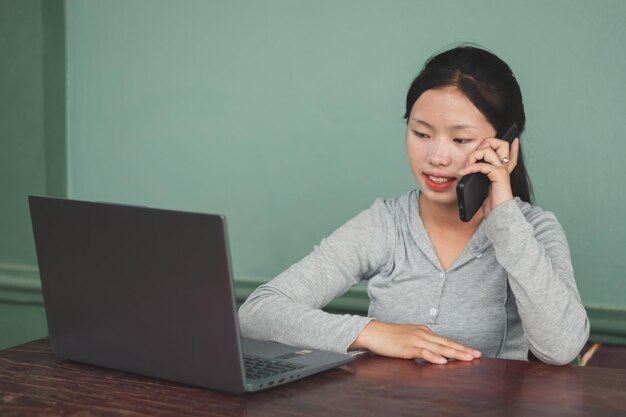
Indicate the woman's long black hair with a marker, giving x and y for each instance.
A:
(489, 84)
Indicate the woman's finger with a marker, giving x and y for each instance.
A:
(451, 343)
(486, 168)
(440, 349)
(432, 357)
(500, 147)
(444, 347)
(484, 154)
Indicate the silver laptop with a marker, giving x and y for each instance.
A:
(150, 291)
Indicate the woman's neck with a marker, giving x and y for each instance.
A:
(446, 216)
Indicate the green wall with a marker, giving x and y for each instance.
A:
(32, 151)
(286, 116)
(22, 160)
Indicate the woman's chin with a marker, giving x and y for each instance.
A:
(444, 200)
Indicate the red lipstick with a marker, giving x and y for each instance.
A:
(438, 186)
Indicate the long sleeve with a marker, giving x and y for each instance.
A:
(288, 308)
(532, 248)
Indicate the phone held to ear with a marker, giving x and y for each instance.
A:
(472, 189)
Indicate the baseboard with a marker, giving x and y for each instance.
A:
(20, 284)
(608, 324)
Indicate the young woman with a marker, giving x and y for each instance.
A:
(500, 285)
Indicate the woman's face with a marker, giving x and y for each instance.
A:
(444, 127)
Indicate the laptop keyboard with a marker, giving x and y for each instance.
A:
(259, 368)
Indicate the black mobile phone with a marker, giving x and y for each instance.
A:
(472, 189)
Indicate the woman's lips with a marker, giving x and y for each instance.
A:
(439, 186)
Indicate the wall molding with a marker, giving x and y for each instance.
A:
(20, 284)
(608, 324)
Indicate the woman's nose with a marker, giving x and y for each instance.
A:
(439, 154)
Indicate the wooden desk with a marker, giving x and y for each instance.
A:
(34, 382)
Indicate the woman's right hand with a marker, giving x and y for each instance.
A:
(410, 341)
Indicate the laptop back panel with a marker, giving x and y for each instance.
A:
(138, 289)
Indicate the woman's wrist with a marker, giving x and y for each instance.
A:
(362, 340)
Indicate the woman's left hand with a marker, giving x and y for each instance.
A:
(498, 161)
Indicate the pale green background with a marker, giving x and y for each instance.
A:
(286, 116)
(32, 151)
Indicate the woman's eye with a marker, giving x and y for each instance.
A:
(420, 134)
(462, 141)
